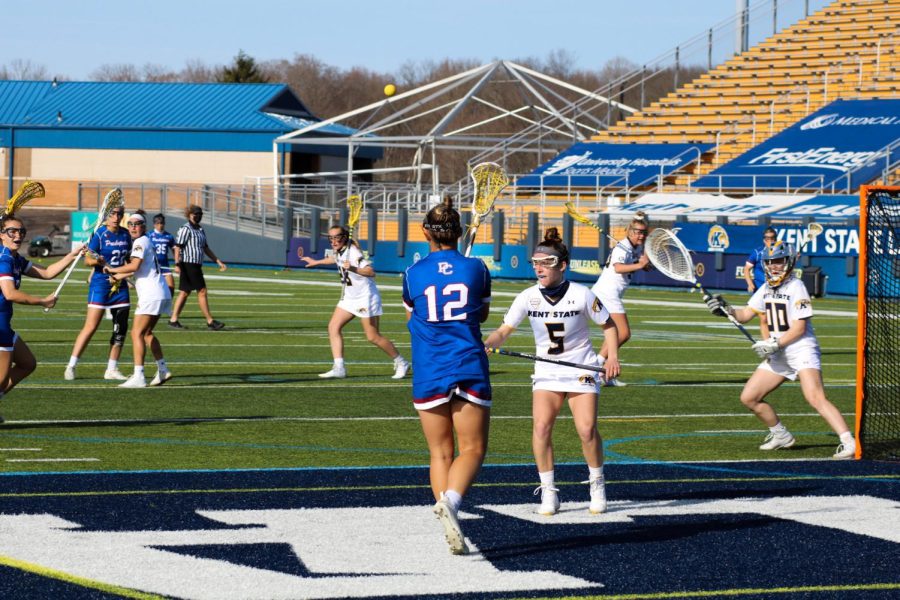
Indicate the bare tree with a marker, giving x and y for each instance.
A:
(196, 71)
(25, 70)
(115, 72)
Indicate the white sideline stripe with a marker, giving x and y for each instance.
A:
(397, 418)
(309, 385)
(24, 460)
(21, 449)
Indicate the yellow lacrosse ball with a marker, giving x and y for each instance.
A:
(390, 89)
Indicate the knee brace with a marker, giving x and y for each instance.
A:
(120, 326)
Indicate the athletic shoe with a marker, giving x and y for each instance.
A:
(215, 325)
(176, 325)
(135, 381)
(161, 377)
(114, 374)
(1, 419)
(400, 369)
(598, 495)
(845, 451)
(69, 374)
(549, 500)
(334, 373)
(774, 441)
(447, 516)
(613, 382)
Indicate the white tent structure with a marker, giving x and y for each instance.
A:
(429, 118)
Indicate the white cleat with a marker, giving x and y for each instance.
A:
(334, 373)
(549, 500)
(400, 369)
(845, 451)
(774, 441)
(161, 377)
(613, 382)
(135, 381)
(598, 495)
(447, 516)
(69, 374)
(114, 374)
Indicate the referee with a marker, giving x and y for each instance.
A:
(190, 245)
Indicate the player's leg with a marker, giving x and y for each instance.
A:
(178, 305)
(584, 414)
(763, 381)
(814, 392)
(139, 349)
(117, 342)
(545, 407)
(91, 322)
(163, 374)
(22, 365)
(203, 303)
(437, 426)
(339, 318)
(370, 327)
(471, 422)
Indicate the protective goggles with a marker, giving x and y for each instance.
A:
(545, 261)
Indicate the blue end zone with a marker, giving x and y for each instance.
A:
(742, 529)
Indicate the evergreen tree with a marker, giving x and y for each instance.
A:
(243, 70)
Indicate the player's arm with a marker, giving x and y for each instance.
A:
(721, 308)
(499, 336)
(122, 272)
(8, 288)
(794, 333)
(312, 262)
(214, 258)
(49, 272)
(622, 268)
(611, 339)
(748, 276)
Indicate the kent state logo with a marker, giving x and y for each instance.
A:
(717, 239)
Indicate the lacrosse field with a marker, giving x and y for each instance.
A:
(248, 476)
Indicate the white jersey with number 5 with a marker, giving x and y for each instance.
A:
(783, 306)
(561, 328)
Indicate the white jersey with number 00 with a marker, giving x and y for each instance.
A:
(357, 286)
(783, 306)
(561, 329)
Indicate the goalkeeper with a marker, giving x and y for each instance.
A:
(791, 352)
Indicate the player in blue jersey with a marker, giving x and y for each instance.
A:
(109, 246)
(447, 297)
(163, 242)
(754, 274)
(16, 358)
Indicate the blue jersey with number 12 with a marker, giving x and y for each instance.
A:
(445, 292)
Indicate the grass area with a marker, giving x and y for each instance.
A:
(249, 396)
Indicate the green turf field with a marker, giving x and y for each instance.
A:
(249, 396)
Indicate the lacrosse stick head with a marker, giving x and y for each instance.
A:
(112, 201)
(778, 263)
(669, 256)
(489, 179)
(28, 191)
(354, 210)
(573, 212)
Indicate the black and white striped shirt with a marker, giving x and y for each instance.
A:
(192, 241)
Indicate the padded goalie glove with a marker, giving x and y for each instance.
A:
(765, 348)
(718, 305)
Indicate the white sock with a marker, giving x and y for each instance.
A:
(847, 439)
(112, 365)
(339, 363)
(454, 499)
(73, 361)
(778, 428)
(547, 478)
(138, 370)
(161, 365)
(399, 360)
(596, 472)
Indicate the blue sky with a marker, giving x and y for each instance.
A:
(75, 37)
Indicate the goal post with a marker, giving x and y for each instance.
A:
(878, 325)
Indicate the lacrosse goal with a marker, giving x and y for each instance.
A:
(878, 329)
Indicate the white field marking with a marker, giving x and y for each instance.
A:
(246, 293)
(48, 460)
(394, 418)
(859, 515)
(21, 449)
(350, 552)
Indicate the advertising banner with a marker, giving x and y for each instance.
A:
(845, 137)
(592, 164)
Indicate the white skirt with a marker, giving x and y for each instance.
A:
(585, 382)
(154, 307)
(364, 307)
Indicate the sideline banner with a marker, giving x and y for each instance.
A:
(591, 164)
(820, 150)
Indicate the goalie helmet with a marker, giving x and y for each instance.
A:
(779, 251)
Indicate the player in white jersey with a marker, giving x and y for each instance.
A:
(560, 313)
(154, 299)
(359, 298)
(624, 259)
(792, 352)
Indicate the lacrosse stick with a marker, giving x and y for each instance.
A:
(354, 209)
(549, 360)
(572, 212)
(28, 191)
(113, 200)
(490, 179)
(812, 231)
(672, 259)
